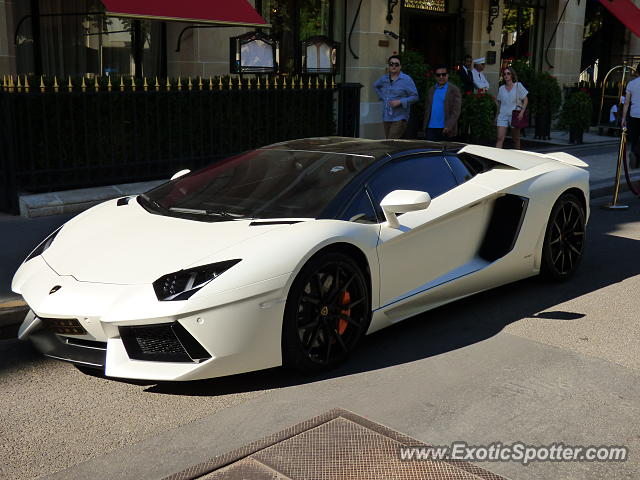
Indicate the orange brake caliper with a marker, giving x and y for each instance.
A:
(342, 323)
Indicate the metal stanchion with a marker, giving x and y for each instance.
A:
(614, 205)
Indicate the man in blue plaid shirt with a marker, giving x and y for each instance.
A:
(397, 92)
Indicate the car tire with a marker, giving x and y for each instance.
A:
(564, 239)
(328, 311)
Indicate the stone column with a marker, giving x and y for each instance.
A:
(565, 50)
(478, 42)
(7, 49)
(373, 48)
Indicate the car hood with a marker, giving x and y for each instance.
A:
(128, 245)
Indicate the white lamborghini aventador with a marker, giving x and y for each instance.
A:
(291, 253)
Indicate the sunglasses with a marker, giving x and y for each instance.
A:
(506, 73)
(441, 74)
(394, 64)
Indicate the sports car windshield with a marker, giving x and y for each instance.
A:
(258, 184)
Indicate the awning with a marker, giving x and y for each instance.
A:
(626, 12)
(221, 12)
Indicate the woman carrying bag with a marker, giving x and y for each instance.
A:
(512, 104)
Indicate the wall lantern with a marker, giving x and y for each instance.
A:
(253, 52)
(319, 55)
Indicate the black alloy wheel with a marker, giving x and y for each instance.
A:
(327, 313)
(564, 239)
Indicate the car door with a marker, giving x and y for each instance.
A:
(433, 245)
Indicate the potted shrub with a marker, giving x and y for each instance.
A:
(545, 97)
(575, 115)
(477, 118)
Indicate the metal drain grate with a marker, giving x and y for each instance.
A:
(333, 446)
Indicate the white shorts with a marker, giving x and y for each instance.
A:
(504, 119)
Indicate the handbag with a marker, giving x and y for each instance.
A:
(516, 121)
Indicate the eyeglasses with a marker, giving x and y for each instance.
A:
(506, 73)
(441, 74)
(394, 64)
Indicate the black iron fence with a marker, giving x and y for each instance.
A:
(80, 134)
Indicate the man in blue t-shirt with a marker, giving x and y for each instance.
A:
(442, 108)
(397, 92)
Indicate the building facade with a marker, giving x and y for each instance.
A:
(551, 34)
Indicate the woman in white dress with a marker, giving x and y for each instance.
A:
(511, 96)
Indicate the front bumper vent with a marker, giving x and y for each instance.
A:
(63, 326)
(168, 342)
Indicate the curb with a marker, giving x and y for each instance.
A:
(606, 187)
(12, 312)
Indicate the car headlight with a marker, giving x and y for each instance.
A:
(181, 285)
(46, 243)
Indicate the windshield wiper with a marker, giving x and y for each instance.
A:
(210, 213)
(146, 198)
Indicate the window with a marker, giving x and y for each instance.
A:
(295, 21)
(360, 209)
(429, 174)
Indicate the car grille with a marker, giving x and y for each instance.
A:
(168, 342)
(63, 326)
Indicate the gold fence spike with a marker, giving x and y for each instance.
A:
(284, 83)
(42, 86)
(179, 83)
(239, 83)
(219, 83)
(258, 84)
(230, 83)
(301, 84)
(84, 85)
(266, 84)
(145, 85)
(168, 86)
(317, 83)
(11, 84)
(190, 84)
(70, 85)
(122, 84)
(109, 83)
(55, 84)
(199, 83)
(133, 83)
(4, 83)
(275, 82)
(26, 84)
(19, 83)
(325, 82)
(309, 83)
(96, 85)
(157, 85)
(333, 83)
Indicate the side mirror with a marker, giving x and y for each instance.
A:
(180, 173)
(403, 201)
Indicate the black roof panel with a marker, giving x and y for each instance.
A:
(362, 146)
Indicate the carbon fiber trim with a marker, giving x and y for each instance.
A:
(336, 445)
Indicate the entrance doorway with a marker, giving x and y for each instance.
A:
(431, 34)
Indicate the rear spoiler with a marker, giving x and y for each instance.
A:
(566, 158)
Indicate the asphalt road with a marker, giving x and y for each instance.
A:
(532, 362)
